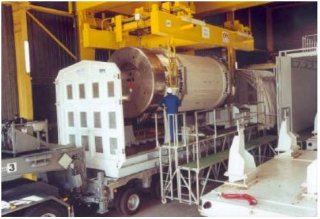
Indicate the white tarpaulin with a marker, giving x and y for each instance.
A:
(265, 84)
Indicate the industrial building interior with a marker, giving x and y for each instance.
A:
(159, 109)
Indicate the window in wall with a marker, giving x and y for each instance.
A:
(85, 142)
(112, 120)
(110, 86)
(113, 146)
(97, 119)
(72, 139)
(69, 92)
(83, 119)
(98, 143)
(82, 93)
(70, 119)
(95, 90)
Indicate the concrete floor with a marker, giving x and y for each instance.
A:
(154, 208)
(151, 207)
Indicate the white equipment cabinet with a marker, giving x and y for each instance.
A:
(90, 115)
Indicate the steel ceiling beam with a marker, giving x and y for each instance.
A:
(202, 8)
(125, 8)
(211, 8)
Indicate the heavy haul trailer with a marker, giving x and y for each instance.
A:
(99, 107)
(108, 104)
(107, 108)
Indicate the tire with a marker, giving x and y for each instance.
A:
(130, 202)
(164, 201)
(47, 210)
(156, 190)
(117, 200)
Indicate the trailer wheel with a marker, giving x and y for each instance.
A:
(130, 201)
(47, 210)
(117, 200)
(157, 190)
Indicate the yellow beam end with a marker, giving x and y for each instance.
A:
(30, 176)
(98, 38)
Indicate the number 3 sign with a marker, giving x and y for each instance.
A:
(11, 167)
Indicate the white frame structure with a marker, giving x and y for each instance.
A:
(90, 115)
(283, 73)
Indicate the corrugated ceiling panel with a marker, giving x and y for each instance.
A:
(9, 91)
(47, 58)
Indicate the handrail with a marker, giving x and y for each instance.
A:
(309, 41)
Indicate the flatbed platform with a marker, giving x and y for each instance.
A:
(277, 190)
(222, 156)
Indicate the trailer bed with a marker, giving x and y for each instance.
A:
(278, 191)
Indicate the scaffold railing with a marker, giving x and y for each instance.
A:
(193, 159)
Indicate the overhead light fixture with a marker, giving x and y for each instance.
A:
(27, 56)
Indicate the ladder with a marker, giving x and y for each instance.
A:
(169, 156)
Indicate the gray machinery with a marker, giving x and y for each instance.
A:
(19, 138)
(25, 150)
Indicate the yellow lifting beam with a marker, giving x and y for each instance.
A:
(185, 32)
(165, 24)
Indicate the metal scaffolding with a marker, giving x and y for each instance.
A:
(192, 160)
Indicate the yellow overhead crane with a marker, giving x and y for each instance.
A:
(151, 27)
(155, 25)
(168, 25)
(151, 24)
